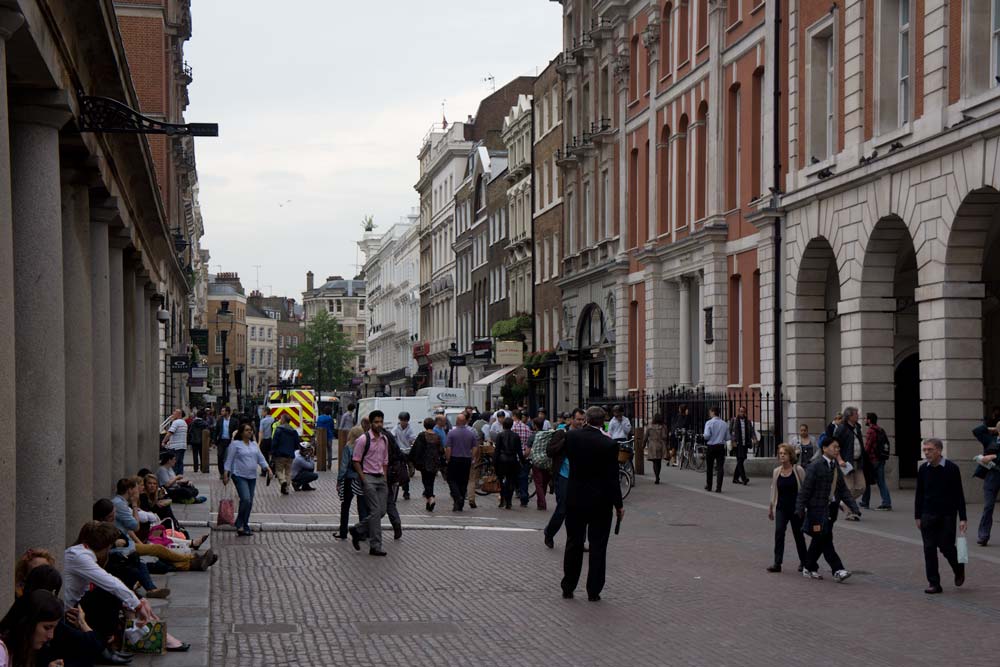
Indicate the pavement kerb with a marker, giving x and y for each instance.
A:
(274, 527)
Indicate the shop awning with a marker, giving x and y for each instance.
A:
(494, 376)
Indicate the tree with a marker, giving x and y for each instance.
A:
(324, 356)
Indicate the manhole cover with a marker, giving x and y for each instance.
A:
(407, 628)
(265, 628)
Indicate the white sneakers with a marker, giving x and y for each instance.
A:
(811, 575)
(840, 576)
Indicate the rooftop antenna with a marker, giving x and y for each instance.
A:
(257, 266)
(492, 82)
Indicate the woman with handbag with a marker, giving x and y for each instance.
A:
(349, 487)
(655, 440)
(427, 454)
(242, 460)
(786, 480)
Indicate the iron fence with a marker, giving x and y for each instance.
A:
(640, 407)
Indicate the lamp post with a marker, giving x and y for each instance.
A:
(224, 323)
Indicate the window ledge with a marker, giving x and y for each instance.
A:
(880, 140)
(734, 386)
(734, 26)
(756, 9)
(982, 99)
(813, 169)
(701, 48)
(632, 103)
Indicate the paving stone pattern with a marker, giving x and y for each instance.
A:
(686, 586)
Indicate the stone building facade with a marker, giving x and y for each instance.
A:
(226, 287)
(516, 135)
(890, 234)
(345, 301)
(262, 351)
(85, 265)
(547, 202)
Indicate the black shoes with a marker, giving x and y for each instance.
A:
(397, 532)
(355, 538)
(549, 543)
(932, 590)
(109, 657)
(593, 598)
(296, 487)
(960, 575)
(284, 488)
(306, 487)
(567, 595)
(377, 552)
(776, 568)
(406, 495)
(982, 543)
(708, 487)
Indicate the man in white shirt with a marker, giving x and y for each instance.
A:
(716, 434)
(619, 428)
(405, 434)
(175, 439)
(496, 426)
(547, 425)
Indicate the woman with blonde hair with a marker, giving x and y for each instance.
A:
(786, 480)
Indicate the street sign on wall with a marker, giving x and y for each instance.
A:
(180, 363)
(482, 349)
(510, 353)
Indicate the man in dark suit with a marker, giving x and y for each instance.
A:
(744, 438)
(938, 502)
(817, 505)
(591, 494)
(226, 427)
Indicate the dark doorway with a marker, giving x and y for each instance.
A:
(907, 391)
(596, 385)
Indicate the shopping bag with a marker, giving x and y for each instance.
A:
(227, 512)
(962, 546)
(149, 639)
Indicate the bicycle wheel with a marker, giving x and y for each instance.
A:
(624, 483)
(699, 460)
(485, 470)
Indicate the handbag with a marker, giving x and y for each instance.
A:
(148, 639)
(227, 512)
(962, 546)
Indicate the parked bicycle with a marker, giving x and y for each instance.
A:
(488, 482)
(691, 449)
(626, 467)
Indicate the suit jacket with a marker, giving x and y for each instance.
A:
(849, 439)
(736, 436)
(593, 470)
(814, 493)
(217, 429)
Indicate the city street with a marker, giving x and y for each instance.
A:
(686, 586)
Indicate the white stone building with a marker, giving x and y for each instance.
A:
(442, 158)
(517, 137)
(391, 271)
(344, 300)
(262, 352)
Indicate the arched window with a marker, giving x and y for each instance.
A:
(734, 152)
(633, 69)
(702, 23)
(683, 28)
(663, 181)
(665, 43)
(681, 172)
(633, 198)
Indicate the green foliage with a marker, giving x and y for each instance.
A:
(325, 350)
(511, 329)
(368, 223)
(514, 391)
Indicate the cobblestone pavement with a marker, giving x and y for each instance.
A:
(686, 586)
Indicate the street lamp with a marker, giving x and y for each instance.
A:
(224, 324)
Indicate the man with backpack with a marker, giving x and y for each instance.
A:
(877, 449)
(371, 461)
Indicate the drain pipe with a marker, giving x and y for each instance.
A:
(779, 416)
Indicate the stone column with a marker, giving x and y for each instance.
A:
(805, 362)
(10, 20)
(951, 370)
(100, 374)
(684, 333)
(139, 317)
(77, 309)
(131, 458)
(39, 323)
(153, 368)
(116, 267)
(660, 320)
(715, 294)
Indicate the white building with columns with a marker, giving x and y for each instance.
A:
(391, 271)
(517, 138)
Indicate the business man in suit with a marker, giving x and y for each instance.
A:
(591, 495)
(226, 427)
(817, 505)
(744, 438)
(939, 501)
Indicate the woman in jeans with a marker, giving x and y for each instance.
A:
(349, 486)
(242, 460)
(785, 482)
(427, 454)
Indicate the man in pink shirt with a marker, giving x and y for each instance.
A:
(371, 461)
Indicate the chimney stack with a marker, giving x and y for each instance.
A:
(309, 281)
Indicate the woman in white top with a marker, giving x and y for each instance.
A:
(27, 627)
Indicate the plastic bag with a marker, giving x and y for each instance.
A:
(962, 546)
(227, 512)
(149, 639)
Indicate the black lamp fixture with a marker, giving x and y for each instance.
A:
(180, 241)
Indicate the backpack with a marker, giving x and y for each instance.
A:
(540, 450)
(882, 447)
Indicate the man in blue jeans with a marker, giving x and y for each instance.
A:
(873, 438)
(560, 464)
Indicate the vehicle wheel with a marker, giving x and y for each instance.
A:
(625, 483)
(699, 461)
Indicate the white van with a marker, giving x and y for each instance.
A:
(424, 404)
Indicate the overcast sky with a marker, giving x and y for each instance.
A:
(322, 106)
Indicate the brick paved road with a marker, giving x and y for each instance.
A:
(686, 586)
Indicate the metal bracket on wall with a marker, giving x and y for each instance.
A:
(103, 114)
